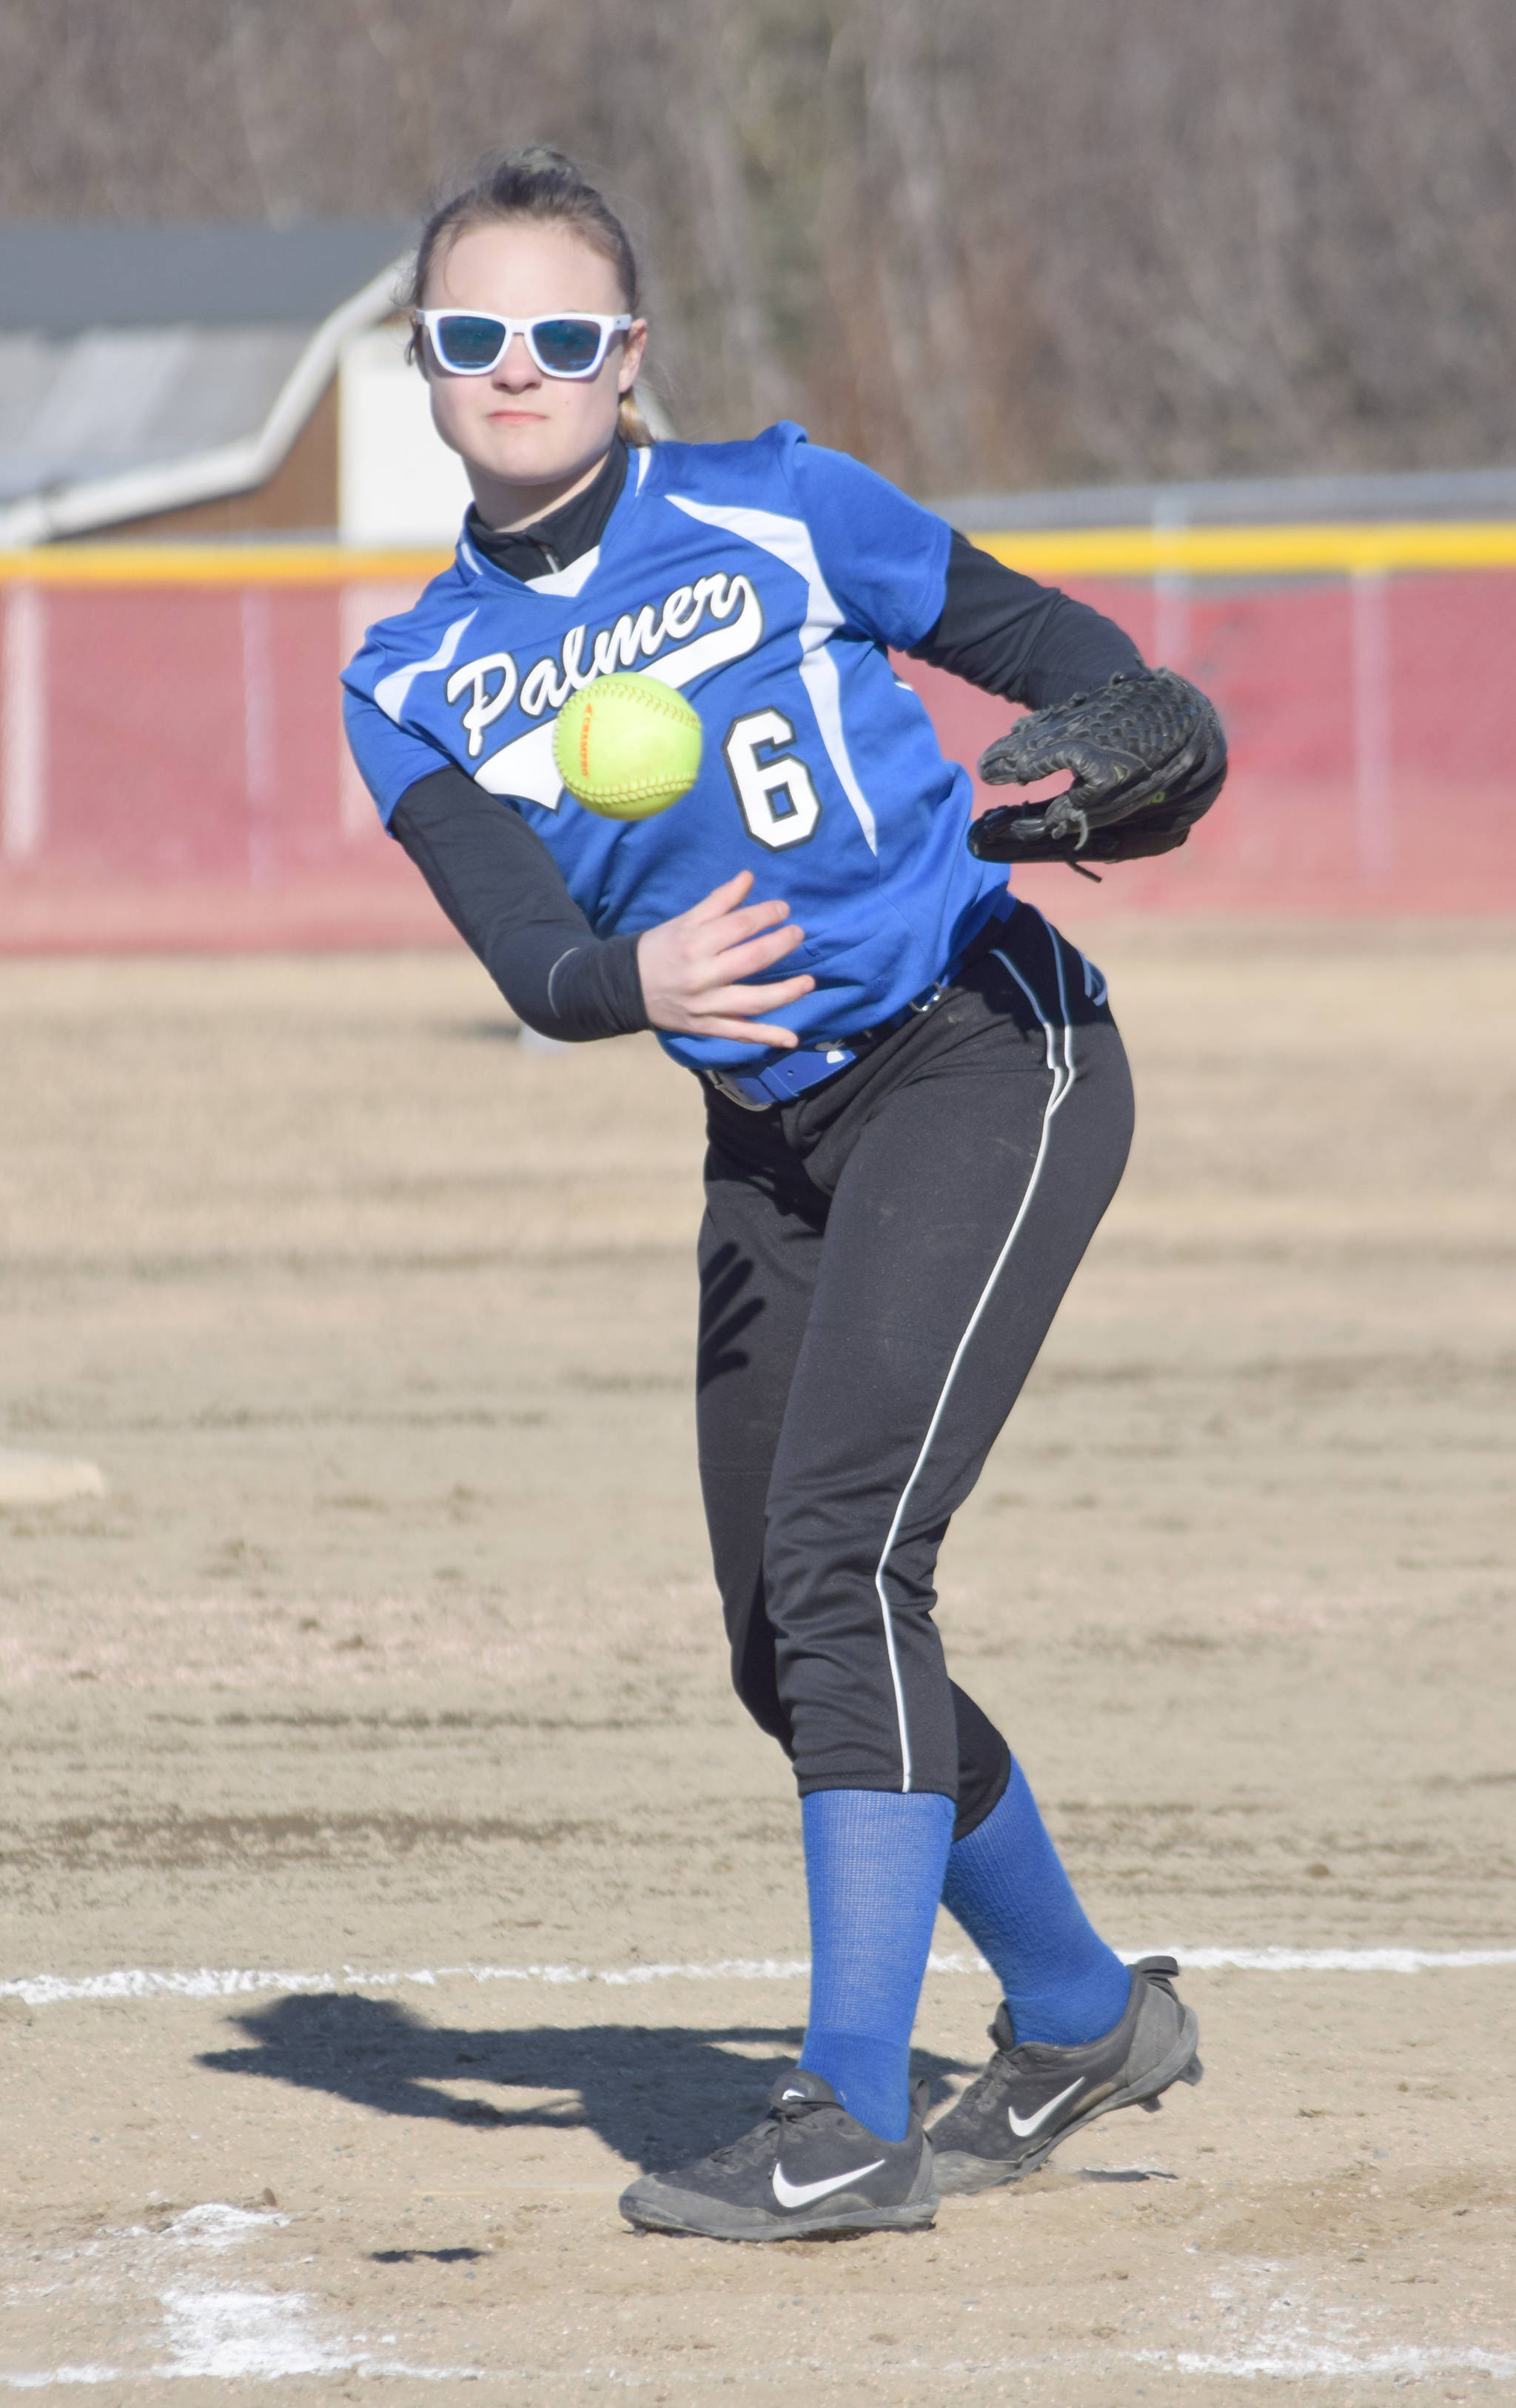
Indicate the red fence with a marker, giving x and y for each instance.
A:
(1367, 718)
(172, 772)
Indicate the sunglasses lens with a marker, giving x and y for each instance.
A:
(567, 346)
(468, 343)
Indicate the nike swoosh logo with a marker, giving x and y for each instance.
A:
(1033, 2123)
(790, 2194)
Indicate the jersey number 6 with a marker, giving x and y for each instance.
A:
(773, 788)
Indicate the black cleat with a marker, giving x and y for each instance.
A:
(807, 2170)
(1030, 2098)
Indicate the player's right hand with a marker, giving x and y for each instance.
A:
(692, 967)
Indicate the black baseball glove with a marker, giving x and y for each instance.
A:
(1148, 757)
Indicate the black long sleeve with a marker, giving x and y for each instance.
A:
(1015, 637)
(505, 894)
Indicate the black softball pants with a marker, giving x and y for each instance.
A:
(879, 1264)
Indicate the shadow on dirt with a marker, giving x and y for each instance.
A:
(657, 2096)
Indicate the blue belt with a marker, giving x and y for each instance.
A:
(810, 1065)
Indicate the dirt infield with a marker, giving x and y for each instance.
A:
(388, 1870)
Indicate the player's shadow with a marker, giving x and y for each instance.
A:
(656, 2096)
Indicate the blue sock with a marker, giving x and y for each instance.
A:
(1006, 1886)
(874, 1868)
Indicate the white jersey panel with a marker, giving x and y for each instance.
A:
(789, 540)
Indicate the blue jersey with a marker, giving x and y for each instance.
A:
(765, 581)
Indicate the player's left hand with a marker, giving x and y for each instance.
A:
(692, 968)
(1148, 757)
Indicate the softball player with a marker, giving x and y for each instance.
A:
(919, 1109)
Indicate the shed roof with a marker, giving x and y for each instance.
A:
(118, 398)
(145, 368)
(61, 280)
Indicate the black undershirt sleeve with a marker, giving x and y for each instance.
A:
(505, 894)
(1015, 637)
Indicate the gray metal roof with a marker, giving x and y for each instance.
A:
(124, 399)
(61, 280)
(145, 368)
(1241, 501)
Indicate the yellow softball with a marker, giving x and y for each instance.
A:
(628, 745)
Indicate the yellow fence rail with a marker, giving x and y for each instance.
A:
(213, 564)
(1323, 550)
(1329, 548)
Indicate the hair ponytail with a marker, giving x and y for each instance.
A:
(540, 186)
(631, 425)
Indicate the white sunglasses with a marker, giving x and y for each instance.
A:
(471, 342)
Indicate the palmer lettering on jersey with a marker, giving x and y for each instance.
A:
(637, 640)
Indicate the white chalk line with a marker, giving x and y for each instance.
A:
(214, 2331)
(1332, 2360)
(211, 1982)
(234, 2332)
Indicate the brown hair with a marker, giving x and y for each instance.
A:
(541, 185)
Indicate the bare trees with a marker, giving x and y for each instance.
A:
(983, 241)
